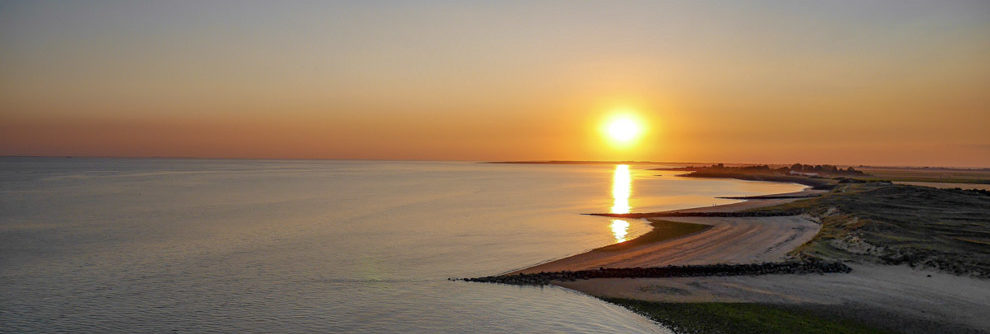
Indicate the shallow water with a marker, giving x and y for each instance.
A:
(156, 245)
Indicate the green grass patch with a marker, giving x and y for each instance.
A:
(703, 318)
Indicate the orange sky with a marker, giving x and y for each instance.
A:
(893, 83)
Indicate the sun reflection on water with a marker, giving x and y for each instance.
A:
(621, 190)
(620, 228)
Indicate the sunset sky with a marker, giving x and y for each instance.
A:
(843, 82)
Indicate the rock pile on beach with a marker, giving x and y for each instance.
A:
(766, 268)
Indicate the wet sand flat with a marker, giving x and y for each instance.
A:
(868, 291)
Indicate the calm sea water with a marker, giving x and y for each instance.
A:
(167, 245)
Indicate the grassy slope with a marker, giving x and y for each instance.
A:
(945, 229)
(741, 318)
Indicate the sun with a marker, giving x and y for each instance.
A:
(623, 130)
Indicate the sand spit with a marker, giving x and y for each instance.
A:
(730, 240)
(748, 203)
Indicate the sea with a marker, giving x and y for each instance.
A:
(100, 245)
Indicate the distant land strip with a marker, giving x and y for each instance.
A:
(587, 162)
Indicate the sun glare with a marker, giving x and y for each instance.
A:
(623, 130)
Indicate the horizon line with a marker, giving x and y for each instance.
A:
(551, 161)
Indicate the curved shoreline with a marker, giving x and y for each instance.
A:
(726, 240)
(694, 281)
(742, 259)
(880, 297)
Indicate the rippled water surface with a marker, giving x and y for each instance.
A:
(159, 245)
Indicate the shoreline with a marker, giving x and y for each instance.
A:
(746, 203)
(777, 232)
(886, 297)
(728, 240)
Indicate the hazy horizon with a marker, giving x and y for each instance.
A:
(730, 163)
(884, 83)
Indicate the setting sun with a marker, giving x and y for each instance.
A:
(623, 130)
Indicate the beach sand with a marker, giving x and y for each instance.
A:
(729, 240)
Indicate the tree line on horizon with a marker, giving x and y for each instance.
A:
(795, 168)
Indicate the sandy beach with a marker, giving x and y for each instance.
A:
(729, 240)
